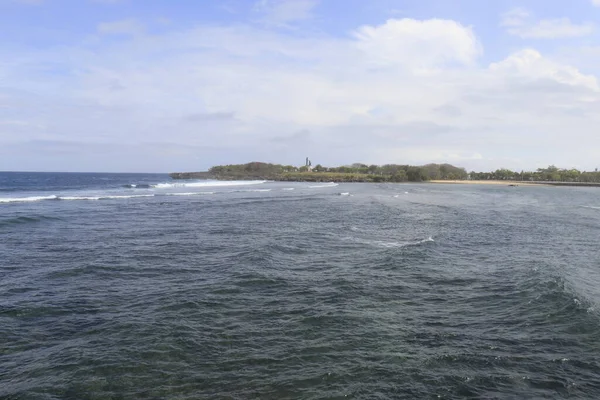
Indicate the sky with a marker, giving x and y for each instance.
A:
(181, 85)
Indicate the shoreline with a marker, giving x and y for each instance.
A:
(488, 182)
(515, 183)
(363, 178)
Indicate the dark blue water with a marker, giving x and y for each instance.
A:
(136, 287)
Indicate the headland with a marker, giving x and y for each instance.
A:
(432, 173)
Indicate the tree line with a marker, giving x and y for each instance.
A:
(354, 172)
(549, 174)
(359, 172)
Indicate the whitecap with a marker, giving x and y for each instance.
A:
(26, 199)
(389, 244)
(109, 197)
(78, 198)
(205, 184)
(126, 197)
(188, 193)
(330, 184)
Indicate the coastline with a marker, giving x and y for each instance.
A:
(516, 183)
(489, 182)
(361, 178)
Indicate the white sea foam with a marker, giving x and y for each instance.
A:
(330, 184)
(397, 195)
(26, 199)
(287, 189)
(345, 194)
(389, 244)
(205, 184)
(188, 193)
(109, 197)
(126, 197)
(79, 198)
(593, 207)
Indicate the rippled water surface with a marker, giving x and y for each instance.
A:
(138, 287)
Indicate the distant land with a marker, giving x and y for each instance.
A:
(437, 173)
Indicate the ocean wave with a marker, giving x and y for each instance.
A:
(25, 220)
(388, 244)
(330, 184)
(111, 197)
(288, 189)
(345, 194)
(188, 194)
(592, 207)
(98, 197)
(205, 184)
(79, 198)
(138, 186)
(26, 199)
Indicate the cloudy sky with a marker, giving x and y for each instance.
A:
(165, 85)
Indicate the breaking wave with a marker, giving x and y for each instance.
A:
(104, 197)
(188, 193)
(138, 186)
(326, 185)
(205, 184)
(389, 244)
(67, 198)
(26, 199)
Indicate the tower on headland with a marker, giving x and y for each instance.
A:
(308, 164)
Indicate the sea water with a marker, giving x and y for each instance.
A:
(124, 286)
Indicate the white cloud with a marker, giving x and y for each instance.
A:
(426, 44)
(122, 27)
(518, 23)
(531, 64)
(554, 28)
(596, 3)
(404, 91)
(283, 12)
(515, 17)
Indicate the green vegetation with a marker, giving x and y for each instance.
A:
(550, 174)
(351, 173)
(383, 173)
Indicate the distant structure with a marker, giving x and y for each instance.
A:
(308, 164)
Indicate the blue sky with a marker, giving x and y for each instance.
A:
(157, 85)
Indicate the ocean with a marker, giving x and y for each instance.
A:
(133, 286)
